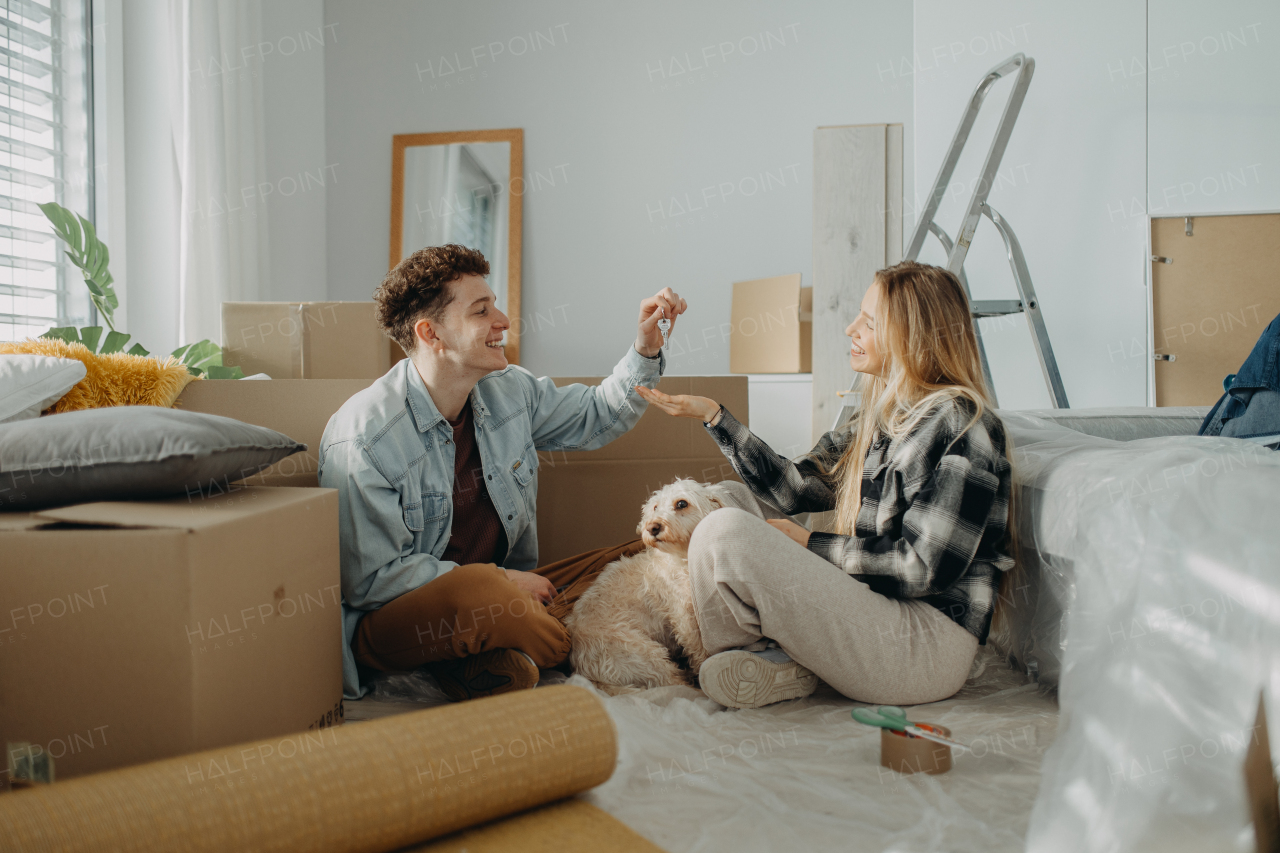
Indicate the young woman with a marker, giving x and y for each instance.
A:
(891, 607)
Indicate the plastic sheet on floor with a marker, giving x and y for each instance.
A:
(1157, 599)
(803, 775)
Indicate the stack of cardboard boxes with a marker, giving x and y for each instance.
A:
(134, 631)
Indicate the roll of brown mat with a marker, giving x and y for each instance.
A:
(365, 787)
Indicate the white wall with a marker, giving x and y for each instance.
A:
(1079, 144)
(1160, 108)
(619, 144)
(298, 169)
(1213, 83)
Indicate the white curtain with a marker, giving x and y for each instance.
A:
(218, 130)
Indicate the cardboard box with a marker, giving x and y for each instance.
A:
(772, 326)
(138, 630)
(592, 499)
(585, 500)
(306, 340)
(299, 408)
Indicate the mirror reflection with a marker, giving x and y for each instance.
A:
(460, 193)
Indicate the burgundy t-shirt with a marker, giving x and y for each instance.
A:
(477, 535)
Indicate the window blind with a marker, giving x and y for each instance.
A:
(45, 155)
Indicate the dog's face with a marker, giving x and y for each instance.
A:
(669, 516)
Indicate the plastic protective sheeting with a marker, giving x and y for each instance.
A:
(802, 775)
(1154, 589)
(1125, 423)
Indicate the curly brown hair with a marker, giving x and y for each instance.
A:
(418, 287)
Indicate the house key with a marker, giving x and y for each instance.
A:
(664, 326)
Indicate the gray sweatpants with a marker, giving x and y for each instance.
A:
(751, 582)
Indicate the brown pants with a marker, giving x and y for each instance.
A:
(473, 609)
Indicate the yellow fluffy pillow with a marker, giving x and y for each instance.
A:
(118, 379)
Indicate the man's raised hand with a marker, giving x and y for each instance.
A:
(665, 301)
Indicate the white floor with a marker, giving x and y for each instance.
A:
(802, 775)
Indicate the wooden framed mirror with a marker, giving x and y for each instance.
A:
(463, 187)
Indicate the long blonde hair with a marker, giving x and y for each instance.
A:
(925, 333)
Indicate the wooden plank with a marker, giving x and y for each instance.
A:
(1210, 305)
(893, 195)
(856, 182)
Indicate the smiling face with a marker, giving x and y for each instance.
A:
(864, 350)
(469, 332)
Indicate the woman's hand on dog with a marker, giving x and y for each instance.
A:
(793, 531)
(682, 405)
(536, 585)
(665, 302)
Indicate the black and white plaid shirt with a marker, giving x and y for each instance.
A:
(934, 509)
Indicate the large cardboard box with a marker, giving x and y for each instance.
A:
(137, 630)
(306, 340)
(592, 499)
(299, 408)
(585, 499)
(772, 326)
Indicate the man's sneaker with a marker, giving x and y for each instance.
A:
(742, 679)
(486, 674)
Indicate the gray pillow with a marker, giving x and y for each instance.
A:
(130, 452)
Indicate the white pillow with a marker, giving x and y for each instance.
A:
(29, 384)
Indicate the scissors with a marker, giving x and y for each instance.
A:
(893, 717)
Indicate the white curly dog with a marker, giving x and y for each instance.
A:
(638, 615)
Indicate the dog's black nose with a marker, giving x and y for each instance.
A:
(655, 530)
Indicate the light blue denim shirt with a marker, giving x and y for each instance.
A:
(389, 453)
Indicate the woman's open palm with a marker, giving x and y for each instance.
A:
(681, 405)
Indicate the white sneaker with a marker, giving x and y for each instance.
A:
(742, 679)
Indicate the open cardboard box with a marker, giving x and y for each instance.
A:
(586, 499)
(139, 630)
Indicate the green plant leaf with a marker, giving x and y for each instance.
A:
(199, 355)
(217, 371)
(72, 229)
(92, 250)
(137, 349)
(89, 336)
(115, 342)
(88, 253)
(55, 213)
(70, 334)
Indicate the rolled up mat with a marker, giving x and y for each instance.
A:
(364, 787)
(569, 826)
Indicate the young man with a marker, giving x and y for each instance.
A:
(436, 468)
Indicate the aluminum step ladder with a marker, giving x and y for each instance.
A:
(977, 208)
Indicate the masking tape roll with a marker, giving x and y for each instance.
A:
(906, 754)
(372, 786)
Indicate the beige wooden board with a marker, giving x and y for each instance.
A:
(1210, 305)
(857, 192)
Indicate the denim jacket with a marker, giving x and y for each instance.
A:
(389, 453)
(1259, 373)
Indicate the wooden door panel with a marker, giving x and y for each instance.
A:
(1210, 305)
